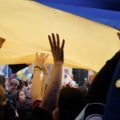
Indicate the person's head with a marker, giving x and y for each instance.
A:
(21, 84)
(13, 85)
(26, 83)
(28, 91)
(70, 103)
(20, 97)
(91, 78)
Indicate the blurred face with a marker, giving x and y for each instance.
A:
(21, 96)
(12, 87)
(91, 78)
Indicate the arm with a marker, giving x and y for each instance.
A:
(44, 80)
(36, 92)
(51, 95)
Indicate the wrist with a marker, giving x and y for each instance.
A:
(44, 69)
(45, 72)
(36, 67)
(58, 63)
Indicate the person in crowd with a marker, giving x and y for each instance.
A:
(112, 110)
(20, 96)
(71, 102)
(6, 110)
(24, 106)
(10, 102)
(13, 85)
(53, 89)
(46, 102)
(21, 84)
(38, 82)
(89, 81)
(27, 89)
(97, 94)
(11, 93)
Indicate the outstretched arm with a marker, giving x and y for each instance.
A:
(51, 95)
(44, 80)
(36, 92)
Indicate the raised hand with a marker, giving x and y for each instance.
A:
(40, 59)
(57, 50)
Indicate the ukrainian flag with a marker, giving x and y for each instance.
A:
(25, 25)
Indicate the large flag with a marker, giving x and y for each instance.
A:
(103, 11)
(25, 26)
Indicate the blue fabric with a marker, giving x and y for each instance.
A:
(103, 11)
(112, 111)
(104, 4)
(7, 70)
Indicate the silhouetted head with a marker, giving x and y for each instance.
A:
(70, 103)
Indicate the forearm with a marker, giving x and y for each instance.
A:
(36, 86)
(52, 92)
(44, 80)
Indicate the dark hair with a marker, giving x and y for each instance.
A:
(17, 95)
(41, 114)
(26, 83)
(20, 85)
(70, 103)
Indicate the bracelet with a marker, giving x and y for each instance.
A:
(37, 67)
(45, 73)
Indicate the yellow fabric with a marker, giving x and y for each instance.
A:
(26, 24)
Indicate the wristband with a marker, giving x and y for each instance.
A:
(37, 67)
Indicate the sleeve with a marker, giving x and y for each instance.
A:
(100, 86)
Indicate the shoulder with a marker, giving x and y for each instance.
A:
(93, 111)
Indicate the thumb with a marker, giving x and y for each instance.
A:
(118, 35)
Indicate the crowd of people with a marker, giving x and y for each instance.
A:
(43, 99)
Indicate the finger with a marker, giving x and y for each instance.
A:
(63, 43)
(36, 54)
(42, 54)
(50, 41)
(118, 35)
(62, 56)
(46, 56)
(2, 40)
(58, 40)
(54, 41)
